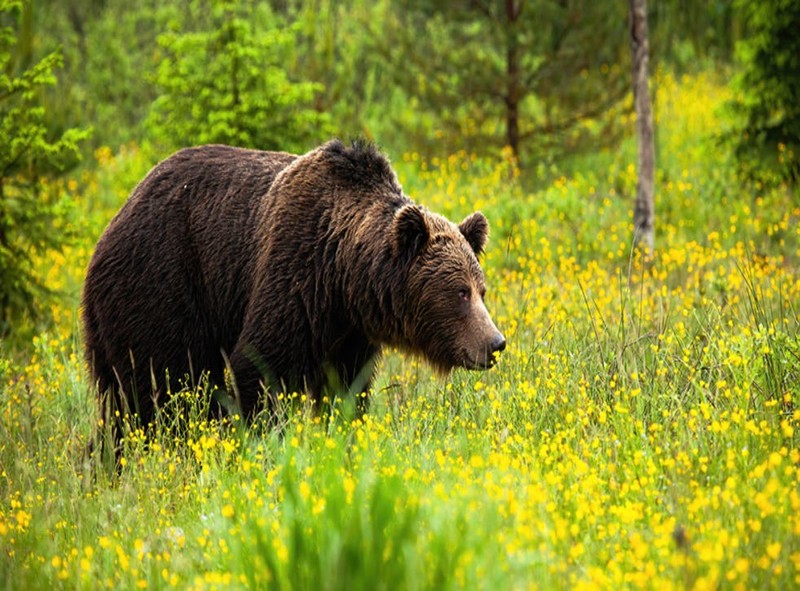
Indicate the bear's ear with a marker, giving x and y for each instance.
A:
(410, 231)
(475, 228)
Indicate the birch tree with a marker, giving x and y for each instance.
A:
(644, 209)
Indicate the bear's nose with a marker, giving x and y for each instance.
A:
(498, 343)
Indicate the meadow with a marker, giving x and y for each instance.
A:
(640, 431)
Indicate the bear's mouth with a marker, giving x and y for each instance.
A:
(474, 363)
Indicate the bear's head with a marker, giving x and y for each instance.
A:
(446, 320)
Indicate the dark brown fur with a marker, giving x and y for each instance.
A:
(297, 268)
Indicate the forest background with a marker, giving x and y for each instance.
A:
(641, 429)
(549, 82)
(420, 76)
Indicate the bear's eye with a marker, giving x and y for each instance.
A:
(463, 294)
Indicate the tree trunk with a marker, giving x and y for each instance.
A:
(513, 90)
(644, 210)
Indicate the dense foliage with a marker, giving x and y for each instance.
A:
(33, 212)
(767, 135)
(416, 75)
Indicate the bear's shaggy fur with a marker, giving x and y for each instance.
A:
(291, 271)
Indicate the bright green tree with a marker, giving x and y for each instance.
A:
(31, 216)
(767, 137)
(334, 47)
(227, 84)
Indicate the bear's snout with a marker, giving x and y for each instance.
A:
(498, 343)
(488, 340)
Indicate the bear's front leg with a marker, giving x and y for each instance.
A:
(356, 363)
(262, 370)
(244, 384)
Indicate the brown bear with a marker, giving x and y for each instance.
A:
(290, 271)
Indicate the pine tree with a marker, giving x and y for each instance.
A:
(227, 84)
(29, 213)
(767, 137)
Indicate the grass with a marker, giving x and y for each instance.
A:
(641, 430)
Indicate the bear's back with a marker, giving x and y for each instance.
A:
(196, 211)
(173, 264)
